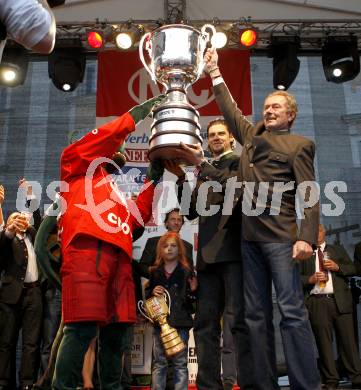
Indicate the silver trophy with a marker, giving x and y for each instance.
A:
(176, 61)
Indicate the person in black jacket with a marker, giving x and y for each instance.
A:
(219, 267)
(171, 272)
(329, 303)
(20, 297)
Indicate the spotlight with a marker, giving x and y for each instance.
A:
(98, 36)
(66, 65)
(127, 37)
(247, 38)
(219, 39)
(95, 39)
(123, 41)
(286, 65)
(13, 67)
(340, 59)
(9, 75)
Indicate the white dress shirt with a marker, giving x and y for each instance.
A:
(328, 289)
(32, 273)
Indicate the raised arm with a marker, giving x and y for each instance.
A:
(238, 123)
(103, 141)
(30, 197)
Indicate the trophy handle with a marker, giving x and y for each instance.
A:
(141, 53)
(167, 298)
(140, 307)
(206, 34)
(207, 42)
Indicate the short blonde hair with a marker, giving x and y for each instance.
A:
(291, 102)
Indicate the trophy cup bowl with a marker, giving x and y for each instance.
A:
(156, 309)
(176, 61)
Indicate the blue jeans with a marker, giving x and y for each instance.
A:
(264, 263)
(160, 363)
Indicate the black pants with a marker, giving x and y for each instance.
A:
(220, 290)
(25, 315)
(324, 318)
(50, 325)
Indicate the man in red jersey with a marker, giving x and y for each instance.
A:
(96, 235)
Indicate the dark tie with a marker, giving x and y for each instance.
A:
(320, 260)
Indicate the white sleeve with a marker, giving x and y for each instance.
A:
(26, 21)
(217, 80)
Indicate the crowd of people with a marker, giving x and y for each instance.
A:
(240, 256)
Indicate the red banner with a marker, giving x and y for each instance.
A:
(123, 82)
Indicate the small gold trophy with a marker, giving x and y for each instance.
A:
(156, 309)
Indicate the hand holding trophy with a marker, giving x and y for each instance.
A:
(156, 309)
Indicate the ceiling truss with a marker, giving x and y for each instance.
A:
(312, 33)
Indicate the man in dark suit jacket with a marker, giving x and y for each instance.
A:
(273, 164)
(329, 303)
(219, 266)
(357, 258)
(20, 300)
(173, 222)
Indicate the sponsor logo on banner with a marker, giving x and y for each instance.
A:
(137, 139)
(140, 83)
(136, 155)
(118, 92)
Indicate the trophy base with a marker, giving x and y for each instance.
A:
(174, 122)
(169, 152)
(171, 341)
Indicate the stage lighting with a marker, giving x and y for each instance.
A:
(125, 38)
(95, 39)
(219, 39)
(340, 59)
(13, 67)
(286, 65)
(66, 65)
(247, 38)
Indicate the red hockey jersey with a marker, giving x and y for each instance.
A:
(92, 204)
